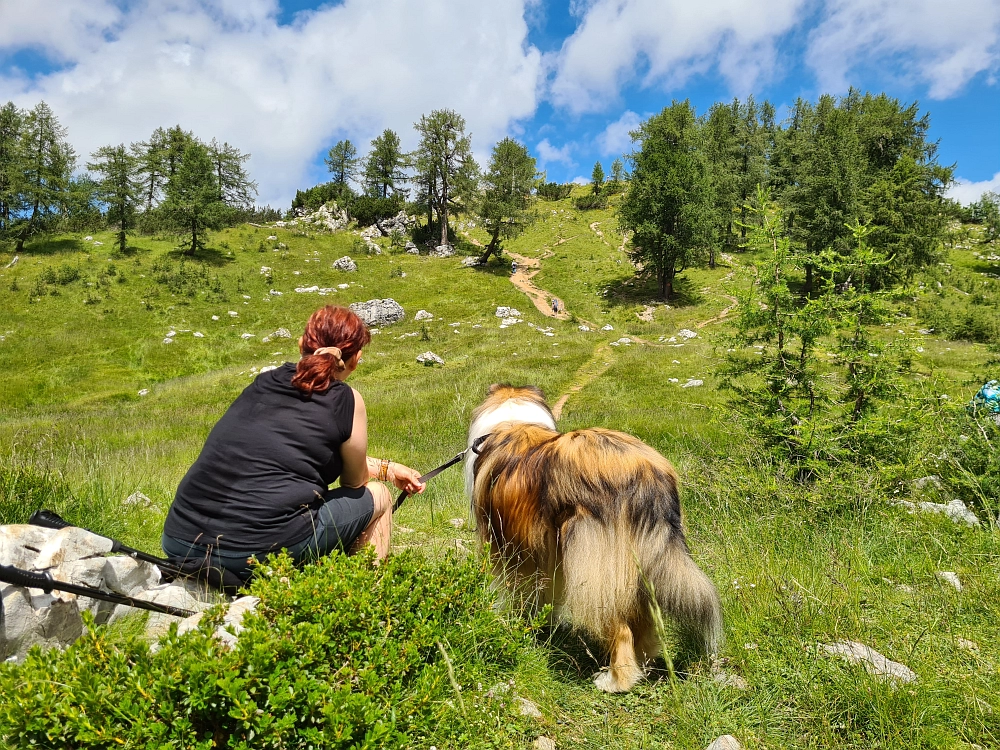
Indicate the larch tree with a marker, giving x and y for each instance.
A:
(192, 205)
(618, 175)
(236, 189)
(505, 200)
(11, 120)
(597, 178)
(151, 165)
(342, 160)
(444, 163)
(384, 175)
(47, 162)
(117, 188)
(668, 203)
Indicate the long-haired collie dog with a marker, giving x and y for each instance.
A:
(588, 521)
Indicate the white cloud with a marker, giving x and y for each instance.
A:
(225, 68)
(665, 42)
(615, 140)
(548, 154)
(940, 44)
(966, 191)
(581, 180)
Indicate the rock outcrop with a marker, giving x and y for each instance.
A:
(379, 312)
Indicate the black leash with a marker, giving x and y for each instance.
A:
(51, 520)
(447, 465)
(44, 581)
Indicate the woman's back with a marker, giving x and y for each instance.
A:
(264, 467)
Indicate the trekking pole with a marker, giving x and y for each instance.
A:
(51, 520)
(45, 582)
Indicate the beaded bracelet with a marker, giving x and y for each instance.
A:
(383, 469)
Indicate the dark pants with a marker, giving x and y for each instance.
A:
(338, 523)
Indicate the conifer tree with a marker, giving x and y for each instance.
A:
(343, 161)
(47, 162)
(151, 157)
(444, 161)
(236, 189)
(597, 178)
(192, 205)
(384, 175)
(668, 203)
(506, 197)
(618, 173)
(117, 187)
(11, 119)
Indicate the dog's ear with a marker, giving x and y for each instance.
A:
(494, 387)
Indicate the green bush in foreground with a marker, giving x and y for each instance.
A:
(341, 654)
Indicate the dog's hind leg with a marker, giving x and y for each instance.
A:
(625, 670)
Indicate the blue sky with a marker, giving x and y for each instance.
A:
(569, 78)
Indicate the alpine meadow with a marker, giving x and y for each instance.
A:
(788, 308)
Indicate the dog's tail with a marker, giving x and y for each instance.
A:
(685, 593)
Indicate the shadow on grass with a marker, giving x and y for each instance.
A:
(45, 246)
(639, 290)
(209, 256)
(499, 267)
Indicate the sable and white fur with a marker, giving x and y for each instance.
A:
(588, 521)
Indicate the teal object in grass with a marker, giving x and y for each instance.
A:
(988, 398)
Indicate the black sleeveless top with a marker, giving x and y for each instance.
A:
(260, 477)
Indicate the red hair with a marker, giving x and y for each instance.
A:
(330, 326)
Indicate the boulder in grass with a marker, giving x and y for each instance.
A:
(874, 662)
(423, 315)
(345, 264)
(429, 359)
(377, 313)
(443, 251)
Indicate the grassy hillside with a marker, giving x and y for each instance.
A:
(83, 333)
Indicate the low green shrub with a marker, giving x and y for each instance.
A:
(341, 654)
(591, 202)
(554, 191)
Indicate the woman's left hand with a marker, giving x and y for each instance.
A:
(406, 479)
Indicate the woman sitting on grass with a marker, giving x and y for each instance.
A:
(260, 483)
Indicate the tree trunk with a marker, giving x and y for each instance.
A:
(194, 236)
(492, 248)
(443, 216)
(809, 278)
(711, 256)
(26, 232)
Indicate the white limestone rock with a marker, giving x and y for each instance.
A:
(127, 576)
(725, 742)
(507, 312)
(956, 510)
(172, 595)
(442, 251)
(949, 577)
(874, 662)
(378, 313)
(66, 545)
(31, 617)
(429, 359)
(345, 264)
(423, 315)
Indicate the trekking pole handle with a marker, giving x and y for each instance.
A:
(27, 578)
(48, 519)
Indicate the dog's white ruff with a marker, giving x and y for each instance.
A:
(512, 410)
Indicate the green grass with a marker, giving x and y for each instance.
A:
(796, 565)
